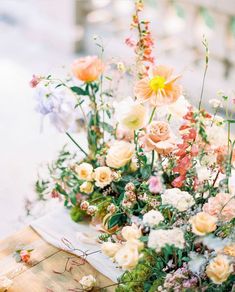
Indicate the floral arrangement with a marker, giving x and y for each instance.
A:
(156, 172)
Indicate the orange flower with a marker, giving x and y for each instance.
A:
(87, 69)
(161, 89)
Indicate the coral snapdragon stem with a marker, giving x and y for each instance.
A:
(71, 138)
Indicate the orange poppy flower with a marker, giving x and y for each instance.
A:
(161, 89)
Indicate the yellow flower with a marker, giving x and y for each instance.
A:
(102, 176)
(203, 223)
(229, 250)
(84, 171)
(87, 187)
(219, 269)
(161, 89)
(119, 154)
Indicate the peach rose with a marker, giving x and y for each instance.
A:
(84, 171)
(87, 69)
(158, 137)
(219, 269)
(119, 154)
(222, 206)
(203, 223)
(229, 250)
(102, 176)
(161, 89)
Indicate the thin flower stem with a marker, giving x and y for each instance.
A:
(205, 43)
(152, 114)
(203, 84)
(71, 138)
(152, 162)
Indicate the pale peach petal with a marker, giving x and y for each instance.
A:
(142, 90)
(163, 71)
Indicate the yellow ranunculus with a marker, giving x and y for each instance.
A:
(219, 269)
(203, 223)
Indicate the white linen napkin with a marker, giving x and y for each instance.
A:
(57, 225)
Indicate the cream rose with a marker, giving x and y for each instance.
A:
(127, 257)
(84, 171)
(153, 218)
(110, 248)
(88, 282)
(86, 187)
(131, 232)
(229, 250)
(203, 223)
(219, 269)
(102, 176)
(119, 154)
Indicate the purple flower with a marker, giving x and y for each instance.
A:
(58, 106)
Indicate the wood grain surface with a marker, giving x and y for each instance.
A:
(43, 273)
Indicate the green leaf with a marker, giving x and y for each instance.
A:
(79, 90)
(107, 127)
(145, 171)
(117, 219)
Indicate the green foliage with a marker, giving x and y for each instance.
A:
(117, 219)
(77, 214)
(79, 90)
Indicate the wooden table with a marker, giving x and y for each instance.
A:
(41, 274)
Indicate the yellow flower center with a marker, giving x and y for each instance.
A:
(157, 83)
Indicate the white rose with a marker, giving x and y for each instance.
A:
(86, 187)
(110, 248)
(203, 173)
(153, 218)
(127, 257)
(178, 199)
(119, 154)
(87, 282)
(102, 176)
(131, 232)
(208, 159)
(84, 171)
(159, 238)
(5, 283)
(216, 135)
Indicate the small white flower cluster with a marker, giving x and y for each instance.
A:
(159, 238)
(125, 254)
(182, 201)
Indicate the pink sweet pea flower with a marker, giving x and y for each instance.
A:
(155, 184)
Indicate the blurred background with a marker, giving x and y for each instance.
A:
(40, 36)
